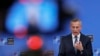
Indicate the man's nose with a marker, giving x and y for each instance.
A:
(75, 28)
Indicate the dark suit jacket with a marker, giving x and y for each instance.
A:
(66, 46)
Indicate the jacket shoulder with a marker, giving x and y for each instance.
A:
(85, 37)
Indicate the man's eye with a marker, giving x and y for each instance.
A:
(73, 27)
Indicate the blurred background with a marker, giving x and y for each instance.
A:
(34, 27)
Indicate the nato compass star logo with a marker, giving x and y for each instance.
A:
(56, 39)
(3, 41)
(97, 52)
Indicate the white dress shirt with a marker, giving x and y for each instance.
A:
(73, 38)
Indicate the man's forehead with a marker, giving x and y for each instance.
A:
(76, 23)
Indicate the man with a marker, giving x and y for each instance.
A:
(76, 43)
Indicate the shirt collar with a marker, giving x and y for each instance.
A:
(77, 35)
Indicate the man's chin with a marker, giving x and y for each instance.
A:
(75, 33)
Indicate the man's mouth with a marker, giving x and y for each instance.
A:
(75, 32)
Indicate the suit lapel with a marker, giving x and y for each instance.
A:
(81, 38)
(71, 42)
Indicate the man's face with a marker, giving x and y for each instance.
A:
(75, 27)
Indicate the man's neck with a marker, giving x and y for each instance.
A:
(78, 35)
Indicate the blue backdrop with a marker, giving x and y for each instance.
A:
(87, 11)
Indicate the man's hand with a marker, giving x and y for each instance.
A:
(78, 46)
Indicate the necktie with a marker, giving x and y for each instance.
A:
(75, 42)
(75, 39)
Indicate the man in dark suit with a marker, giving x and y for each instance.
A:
(76, 43)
